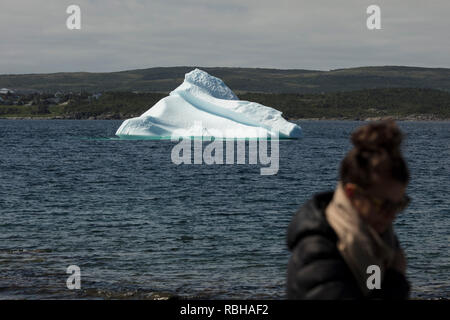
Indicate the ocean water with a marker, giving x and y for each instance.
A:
(139, 226)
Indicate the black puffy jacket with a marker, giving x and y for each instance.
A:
(316, 268)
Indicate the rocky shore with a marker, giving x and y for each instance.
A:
(112, 116)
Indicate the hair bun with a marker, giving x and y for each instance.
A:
(377, 136)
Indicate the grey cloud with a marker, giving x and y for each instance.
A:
(120, 35)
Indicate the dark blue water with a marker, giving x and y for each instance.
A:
(139, 226)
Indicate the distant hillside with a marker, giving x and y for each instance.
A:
(238, 79)
(400, 103)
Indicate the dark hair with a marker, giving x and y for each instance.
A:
(376, 155)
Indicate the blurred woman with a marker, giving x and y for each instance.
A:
(338, 237)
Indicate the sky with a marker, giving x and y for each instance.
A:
(284, 34)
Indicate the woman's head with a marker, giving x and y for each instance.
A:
(375, 175)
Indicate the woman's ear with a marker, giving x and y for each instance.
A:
(349, 189)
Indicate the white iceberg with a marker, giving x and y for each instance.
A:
(204, 106)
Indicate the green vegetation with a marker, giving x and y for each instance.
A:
(238, 79)
(113, 105)
(353, 93)
(360, 104)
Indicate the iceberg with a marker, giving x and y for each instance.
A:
(204, 106)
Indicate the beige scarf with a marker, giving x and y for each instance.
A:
(359, 244)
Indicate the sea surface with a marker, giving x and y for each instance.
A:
(140, 226)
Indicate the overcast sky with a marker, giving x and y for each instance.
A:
(135, 34)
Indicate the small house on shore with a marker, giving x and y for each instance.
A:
(6, 91)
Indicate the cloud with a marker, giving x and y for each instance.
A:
(121, 35)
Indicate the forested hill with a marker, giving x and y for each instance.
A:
(238, 79)
(400, 103)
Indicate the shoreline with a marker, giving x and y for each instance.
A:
(412, 118)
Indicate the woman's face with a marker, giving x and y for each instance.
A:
(371, 203)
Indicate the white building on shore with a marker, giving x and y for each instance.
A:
(6, 90)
